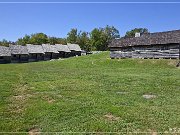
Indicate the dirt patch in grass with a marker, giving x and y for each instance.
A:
(18, 97)
(172, 63)
(21, 97)
(149, 96)
(111, 117)
(49, 99)
(152, 132)
(121, 92)
(33, 131)
(153, 61)
(141, 61)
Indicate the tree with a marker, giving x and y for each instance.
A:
(4, 42)
(23, 41)
(52, 40)
(39, 38)
(72, 36)
(62, 41)
(98, 39)
(101, 37)
(132, 32)
(111, 32)
(84, 41)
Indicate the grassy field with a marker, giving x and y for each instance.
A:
(90, 94)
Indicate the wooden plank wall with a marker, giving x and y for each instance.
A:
(150, 54)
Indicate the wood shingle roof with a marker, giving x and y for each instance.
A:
(49, 48)
(74, 47)
(62, 48)
(5, 51)
(148, 39)
(35, 49)
(18, 49)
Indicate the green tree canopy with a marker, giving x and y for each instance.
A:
(52, 40)
(132, 32)
(23, 41)
(84, 41)
(101, 37)
(62, 41)
(97, 39)
(4, 42)
(72, 36)
(39, 38)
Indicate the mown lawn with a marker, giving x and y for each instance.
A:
(90, 94)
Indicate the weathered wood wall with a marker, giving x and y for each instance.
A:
(36, 57)
(19, 58)
(5, 59)
(166, 52)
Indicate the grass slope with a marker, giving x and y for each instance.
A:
(90, 93)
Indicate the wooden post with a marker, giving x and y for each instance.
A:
(179, 52)
(179, 57)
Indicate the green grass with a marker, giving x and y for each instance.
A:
(77, 94)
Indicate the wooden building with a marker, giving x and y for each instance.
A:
(55, 52)
(50, 52)
(75, 49)
(153, 45)
(5, 54)
(63, 50)
(36, 52)
(83, 52)
(19, 53)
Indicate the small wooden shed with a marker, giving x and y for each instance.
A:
(19, 53)
(75, 49)
(36, 52)
(5, 54)
(63, 50)
(50, 52)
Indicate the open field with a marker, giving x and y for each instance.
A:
(90, 93)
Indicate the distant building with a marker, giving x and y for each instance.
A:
(50, 52)
(29, 53)
(63, 50)
(55, 52)
(75, 49)
(153, 45)
(83, 52)
(5, 54)
(36, 52)
(19, 53)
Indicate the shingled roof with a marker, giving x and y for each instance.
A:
(74, 47)
(18, 49)
(54, 49)
(4, 51)
(35, 48)
(62, 48)
(148, 39)
(49, 48)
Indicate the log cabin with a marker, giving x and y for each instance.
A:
(36, 52)
(19, 53)
(50, 52)
(75, 49)
(55, 52)
(5, 54)
(157, 45)
(63, 50)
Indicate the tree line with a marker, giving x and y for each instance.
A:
(98, 39)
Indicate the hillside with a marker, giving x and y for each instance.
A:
(90, 94)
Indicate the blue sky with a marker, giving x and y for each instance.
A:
(57, 19)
